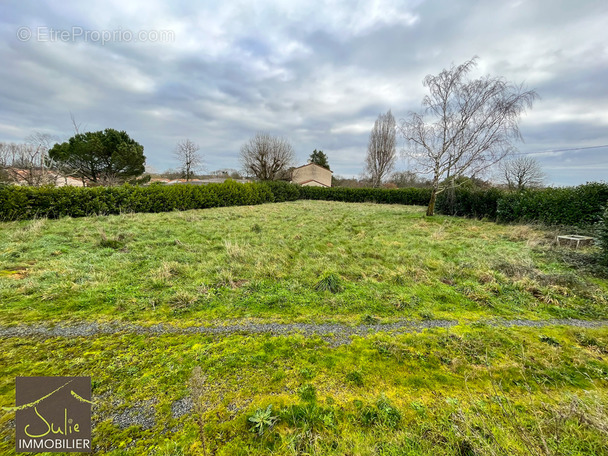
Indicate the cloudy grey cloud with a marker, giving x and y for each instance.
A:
(318, 73)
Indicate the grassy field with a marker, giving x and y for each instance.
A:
(472, 389)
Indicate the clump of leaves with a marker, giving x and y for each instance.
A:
(256, 228)
(310, 417)
(389, 415)
(262, 420)
(306, 373)
(383, 414)
(329, 282)
(308, 393)
(549, 340)
(355, 378)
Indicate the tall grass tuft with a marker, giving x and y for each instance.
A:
(329, 282)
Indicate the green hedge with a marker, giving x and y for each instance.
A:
(602, 236)
(467, 202)
(283, 191)
(409, 196)
(18, 203)
(574, 206)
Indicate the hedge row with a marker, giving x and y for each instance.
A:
(572, 206)
(18, 203)
(467, 202)
(575, 206)
(409, 196)
(582, 205)
(602, 235)
(284, 191)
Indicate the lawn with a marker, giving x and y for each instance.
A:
(475, 387)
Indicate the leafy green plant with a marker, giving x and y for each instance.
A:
(262, 420)
(382, 414)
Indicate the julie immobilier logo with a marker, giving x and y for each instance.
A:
(53, 414)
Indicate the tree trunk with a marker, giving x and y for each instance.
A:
(430, 211)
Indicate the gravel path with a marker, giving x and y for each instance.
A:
(143, 414)
(339, 333)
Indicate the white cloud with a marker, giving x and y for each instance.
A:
(316, 72)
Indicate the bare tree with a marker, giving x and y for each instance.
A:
(522, 172)
(381, 149)
(189, 157)
(409, 179)
(5, 161)
(28, 163)
(467, 125)
(266, 157)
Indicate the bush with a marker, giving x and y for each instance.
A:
(407, 196)
(603, 236)
(573, 206)
(17, 203)
(283, 191)
(469, 202)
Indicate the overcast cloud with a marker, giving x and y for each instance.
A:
(318, 73)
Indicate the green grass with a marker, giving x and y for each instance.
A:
(431, 393)
(300, 261)
(473, 389)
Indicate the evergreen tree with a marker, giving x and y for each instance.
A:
(319, 158)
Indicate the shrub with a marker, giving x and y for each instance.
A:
(283, 191)
(602, 236)
(17, 203)
(470, 202)
(407, 196)
(572, 206)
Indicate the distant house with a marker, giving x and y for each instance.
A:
(212, 180)
(35, 176)
(311, 175)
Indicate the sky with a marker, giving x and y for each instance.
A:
(317, 73)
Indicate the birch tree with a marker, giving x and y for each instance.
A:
(466, 126)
